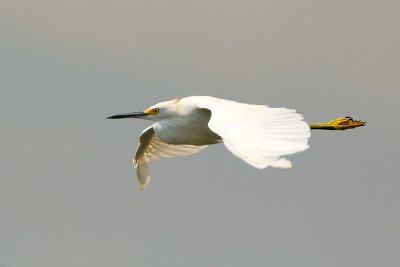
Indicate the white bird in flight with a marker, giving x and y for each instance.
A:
(257, 134)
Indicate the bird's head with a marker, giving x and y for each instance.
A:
(157, 112)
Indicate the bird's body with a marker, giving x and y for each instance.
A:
(257, 134)
(189, 128)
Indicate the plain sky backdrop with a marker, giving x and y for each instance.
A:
(68, 191)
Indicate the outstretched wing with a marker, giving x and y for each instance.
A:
(152, 148)
(257, 134)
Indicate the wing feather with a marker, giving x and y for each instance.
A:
(257, 134)
(152, 148)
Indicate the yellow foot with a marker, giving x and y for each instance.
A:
(342, 123)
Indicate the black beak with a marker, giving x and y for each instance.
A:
(129, 115)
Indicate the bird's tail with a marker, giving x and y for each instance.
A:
(342, 123)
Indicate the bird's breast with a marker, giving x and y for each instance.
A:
(186, 131)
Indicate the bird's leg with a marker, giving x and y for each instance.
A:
(342, 123)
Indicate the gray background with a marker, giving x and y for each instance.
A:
(68, 192)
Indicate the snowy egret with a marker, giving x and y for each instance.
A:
(257, 134)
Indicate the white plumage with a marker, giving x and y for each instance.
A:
(152, 148)
(257, 134)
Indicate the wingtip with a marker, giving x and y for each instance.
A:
(282, 163)
(144, 184)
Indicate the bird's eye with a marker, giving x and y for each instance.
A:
(156, 110)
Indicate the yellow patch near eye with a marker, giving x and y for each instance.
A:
(152, 111)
